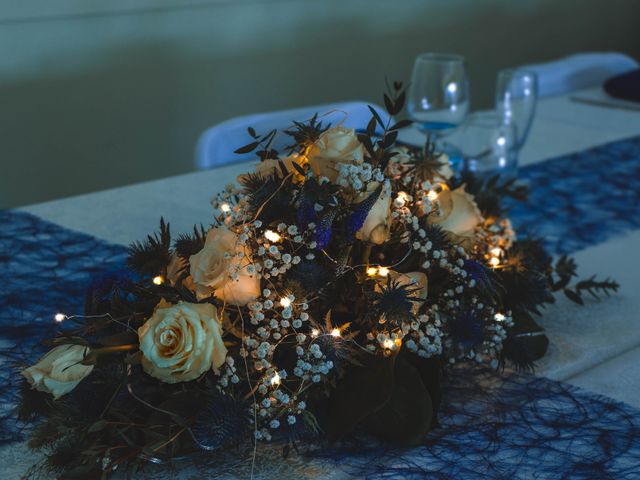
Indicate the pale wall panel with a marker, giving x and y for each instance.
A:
(89, 102)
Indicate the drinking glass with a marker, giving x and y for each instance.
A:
(516, 96)
(438, 97)
(488, 146)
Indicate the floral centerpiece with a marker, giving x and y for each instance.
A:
(337, 282)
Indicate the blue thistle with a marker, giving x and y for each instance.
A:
(467, 329)
(483, 276)
(305, 428)
(394, 302)
(222, 421)
(310, 275)
(516, 351)
(437, 236)
(109, 284)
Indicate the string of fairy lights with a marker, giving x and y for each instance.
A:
(233, 215)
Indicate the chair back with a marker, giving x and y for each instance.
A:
(216, 145)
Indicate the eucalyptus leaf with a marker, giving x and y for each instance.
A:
(376, 116)
(573, 296)
(361, 392)
(430, 370)
(165, 434)
(526, 342)
(247, 148)
(406, 418)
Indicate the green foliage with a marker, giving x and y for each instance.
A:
(407, 416)
(121, 416)
(378, 149)
(565, 270)
(525, 344)
(430, 370)
(362, 392)
(490, 194)
(261, 144)
(269, 197)
(426, 163)
(305, 134)
(595, 287)
(190, 244)
(151, 256)
(389, 397)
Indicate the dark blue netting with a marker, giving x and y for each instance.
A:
(509, 426)
(493, 426)
(44, 269)
(582, 199)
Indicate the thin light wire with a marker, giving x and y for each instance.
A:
(255, 404)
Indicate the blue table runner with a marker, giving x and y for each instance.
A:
(582, 199)
(514, 426)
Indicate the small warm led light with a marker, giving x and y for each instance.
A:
(275, 380)
(496, 252)
(285, 302)
(372, 271)
(432, 195)
(401, 199)
(499, 317)
(494, 261)
(388, 344)
(383, 271)
(315, 332)
(59, 317)
(225, 207)
(158, 280)
(272, 236)
(335, 332)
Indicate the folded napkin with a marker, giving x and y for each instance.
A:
(579, 71)
(625, 86)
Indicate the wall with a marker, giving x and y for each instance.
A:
(96, 94)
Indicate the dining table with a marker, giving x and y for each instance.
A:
(595, 347)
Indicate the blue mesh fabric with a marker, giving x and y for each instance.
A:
(493, 425)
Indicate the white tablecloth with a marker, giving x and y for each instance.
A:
(597, 348)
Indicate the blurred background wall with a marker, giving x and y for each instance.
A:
(96, 94)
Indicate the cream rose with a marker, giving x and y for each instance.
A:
(181, 342)
(222, 268)
(60, 370)
(378, 222)
(174, 269)
(444, 172)
(400, 163)
(336, 145)
(271, 165)
(459, 215)
(413, 280)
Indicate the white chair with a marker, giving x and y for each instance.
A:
(216, 145)
(575, 72)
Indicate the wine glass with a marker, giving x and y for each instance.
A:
(438, 97)
(516, 97)
(488, 146)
